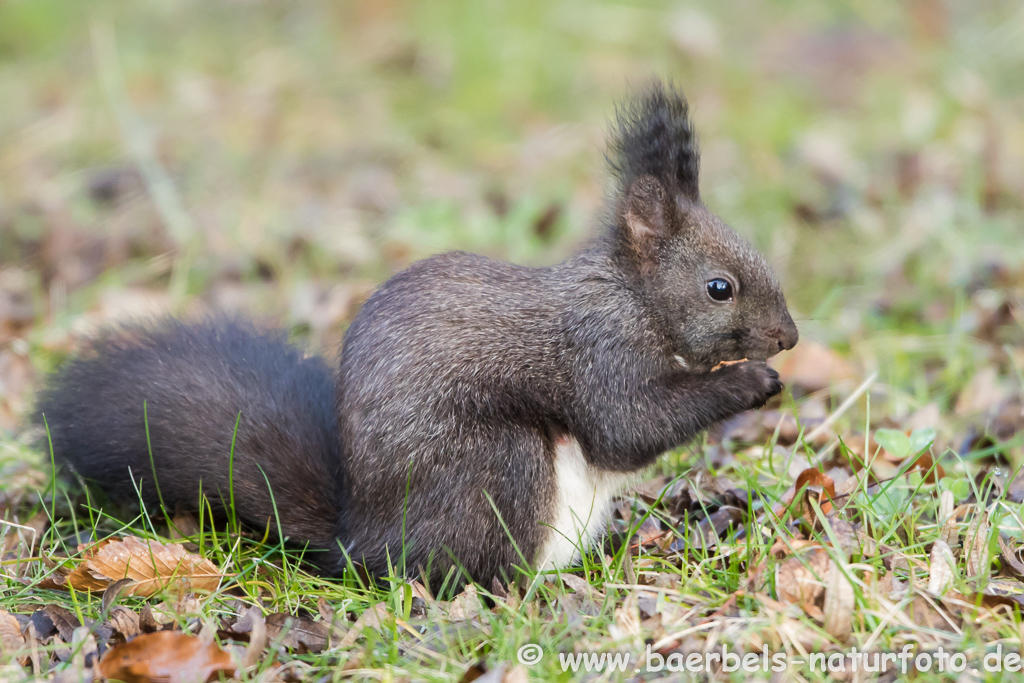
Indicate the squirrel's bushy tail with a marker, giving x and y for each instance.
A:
(653, 136)
(189, 382)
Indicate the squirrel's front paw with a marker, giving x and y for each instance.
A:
(754, 381)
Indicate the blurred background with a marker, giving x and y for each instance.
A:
(283, 158)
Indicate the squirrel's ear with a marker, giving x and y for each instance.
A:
(646, 216)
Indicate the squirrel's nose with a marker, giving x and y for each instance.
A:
(786, 336)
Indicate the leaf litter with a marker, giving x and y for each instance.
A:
(797, 529)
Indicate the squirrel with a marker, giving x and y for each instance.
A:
(483, 415)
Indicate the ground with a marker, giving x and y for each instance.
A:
(281, 159)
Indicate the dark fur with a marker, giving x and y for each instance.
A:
(653, 136)
(457, 379)
(192, 381)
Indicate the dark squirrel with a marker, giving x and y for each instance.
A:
(484, 414)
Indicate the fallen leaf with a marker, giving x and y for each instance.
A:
(297, 633)
(336, 621)
(124, 621)
(976, 547)
(475, 672)
(800, 578)
(12, 643)
(183, 525)
(847, 536)
(113, 592)
(152, 566)
(950, 532)
(148, 622)
(627, 619)
(166, 656)
(373, 617)
(1009, 552)
(83, 649)
(498, 590)
(839, 603)
(946, 504)
(931, 470)
(942, 568)
(257, 638)
(499, 674)
(587, 597)
(62, 619)
(1000, 593)
(466, 605)
(814, 485)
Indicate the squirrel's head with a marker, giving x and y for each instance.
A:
(714, 295)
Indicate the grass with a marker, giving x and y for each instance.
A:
(282, 159)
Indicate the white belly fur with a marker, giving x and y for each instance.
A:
(583, 499)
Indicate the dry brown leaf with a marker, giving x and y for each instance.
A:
(817, 486)
(147, 620)
(152, 566)
(62, 619)
(500, 674)
(125, 622)
(946, 505)
(336, 621)
(420, 591)
(950, 532)
(183, 525)
(839, 603)
(797, 632)
(781, 549)
(373, 618)
(167, 657)
(627, 619)
(257, 637)
(868, 545)
(931, 470)
(846, 487)
(585, 598)
(498, 591)
(582, 586)
(942, 568)
(1009, 552)
(976, 547)
(476, 671)
(894, 558)
(466, 605)
(12, 644)
(800, 579)
(887, 587)
(297, 633)
(847, 535)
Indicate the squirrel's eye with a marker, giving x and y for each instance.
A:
(719, 289)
